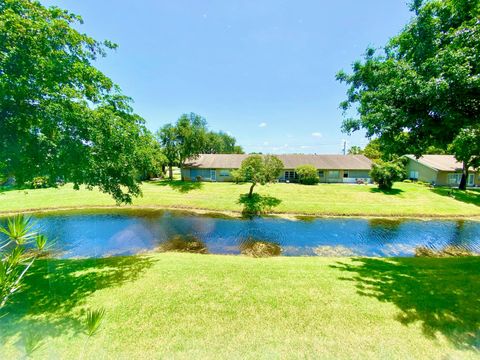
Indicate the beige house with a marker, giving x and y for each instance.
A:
(442, 170)
(331, 168)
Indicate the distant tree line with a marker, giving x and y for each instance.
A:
(189, 137)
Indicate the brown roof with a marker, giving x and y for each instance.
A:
(291, 161)
(439, 162)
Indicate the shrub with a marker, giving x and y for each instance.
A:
(386, 173)
(39, 182)
(307, 174)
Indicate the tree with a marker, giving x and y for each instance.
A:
(422, 88)
(60, 116)
(355, 150)
(189, 137)
(191, 130)
(19, 248)
(167, 138)
(385, 173)
(433, 150)
(186, 139)
(466, 147)
(259, 169)
(372, 150)
(220, 143)
(307, 174)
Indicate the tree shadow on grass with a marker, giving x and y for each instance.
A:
(442, 294)
(468, 196)
(386, 192)
(181, 186)
(50, 302)
(257, 204)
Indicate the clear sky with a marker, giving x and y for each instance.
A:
(262, 70)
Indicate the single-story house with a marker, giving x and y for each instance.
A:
(442, 170)
(331, 168)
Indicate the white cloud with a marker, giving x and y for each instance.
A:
(317, 134)
(263, 124)
(266, 143)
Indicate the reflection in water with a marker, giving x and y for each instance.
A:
(447, 251)
(124, 233)
(184, 243)
(335, 251)
(259, 248)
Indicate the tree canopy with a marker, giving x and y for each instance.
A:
(60, 116)
(355, 150)
(423, 87)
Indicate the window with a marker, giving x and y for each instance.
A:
(345, 174)
(471, 180)
(321, 173)
(454, 179)
(414, 175)
(224, 172)
(291, 175)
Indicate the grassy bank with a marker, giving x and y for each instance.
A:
(204, 306)
(325, 199)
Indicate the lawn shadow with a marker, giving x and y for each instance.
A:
(257, 204)
(386, 192)
(468, 196)
(181, 186)
(442, 294)
(50, 302)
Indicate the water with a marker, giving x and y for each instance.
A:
(125, 233)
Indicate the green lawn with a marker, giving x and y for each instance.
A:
(325, 199)
(186, 306)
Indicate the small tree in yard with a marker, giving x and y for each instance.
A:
(307, 174)
(386, 173)
(466, 147)
(258, 169)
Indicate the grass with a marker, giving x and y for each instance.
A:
(405, 199)
(186, 306)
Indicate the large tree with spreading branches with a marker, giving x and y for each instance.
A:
(60, 117)
(423, 88)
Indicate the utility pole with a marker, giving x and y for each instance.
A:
(344, 147)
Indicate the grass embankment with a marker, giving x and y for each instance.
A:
(205, 306)
(326, 199)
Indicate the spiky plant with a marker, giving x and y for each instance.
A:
(32, 342)
(20, 245)
(93, 320)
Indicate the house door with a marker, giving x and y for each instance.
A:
(213, 175)
(471, 179)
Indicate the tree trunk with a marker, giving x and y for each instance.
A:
(250, 193)
(463, 181)
(170, 172)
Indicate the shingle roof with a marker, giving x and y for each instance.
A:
(439, 162)
(291, 161)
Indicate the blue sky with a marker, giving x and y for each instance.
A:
(262, 70)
